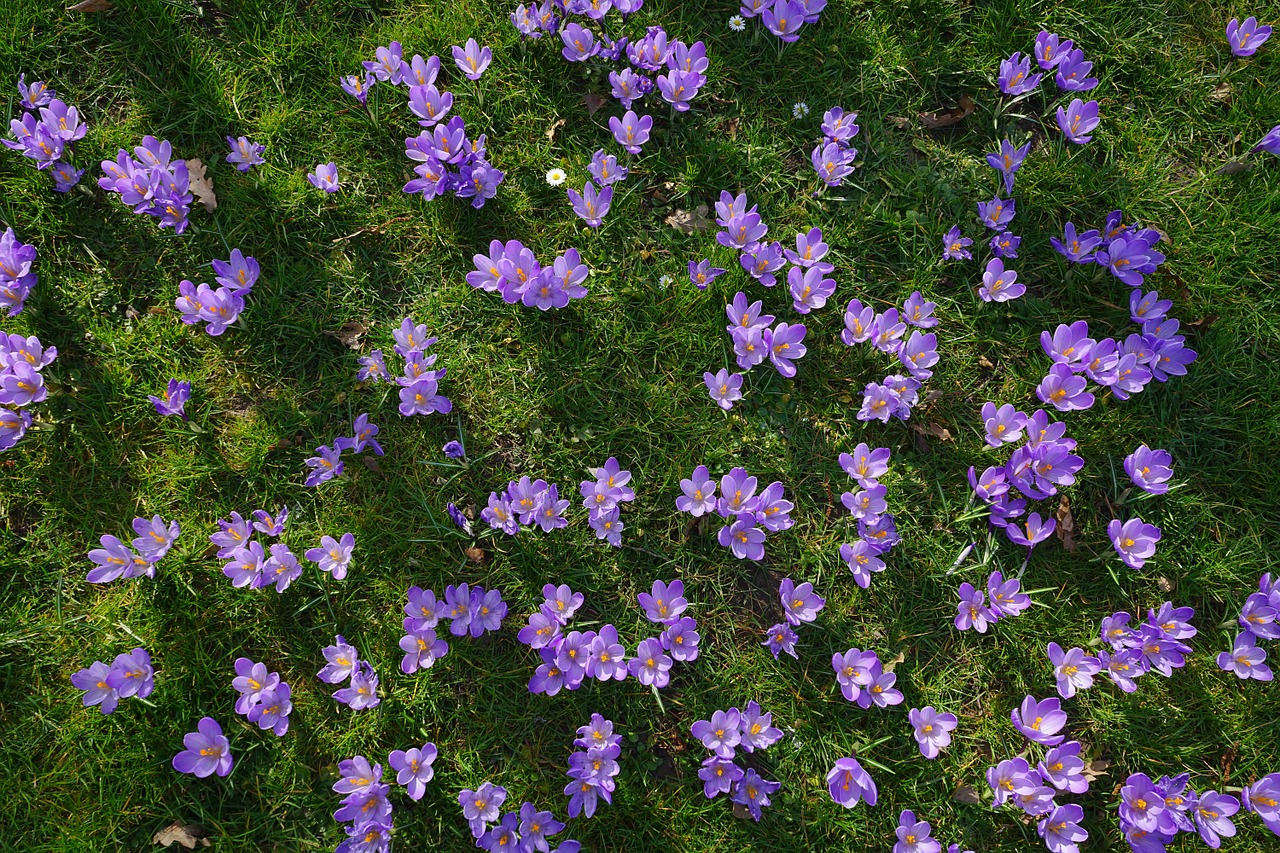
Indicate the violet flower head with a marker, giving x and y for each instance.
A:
(848, 783)
(997, 213)
(1073, 73)
(1032, 531)
(651, 666)
(363, 691)
(325, 177)
(333, 555)
(1005, 244)
(97, 690)
(1150, 470)
(1270, 142)
(1061, 830)
(1073, 669)
(1007, 161)
(955, 245)
(664, 603)
(724, 387)
(809, 288)
(1246, 659)
(932, 730)
(1000, 284)
(701, 273)
(1002, 425)
(1246, 38)
(472, 60)
(1134, 540)
(245, 154)
(799, 603)
(784, 19)
(591, 205)
(971, 612)
(1049, 50)
(207, 751)
(721, 734)
(914, 835)
(631, 131)
(172, 401)
(1040, 721)
(1078, 120)
(863, 559)
(1212, 815)
(781, 639)
(1064, 389)
(413, 768)
(1015, 75)
(753, 791)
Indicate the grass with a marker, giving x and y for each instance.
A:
(618, 374)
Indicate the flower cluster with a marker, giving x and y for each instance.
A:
(151, 184)
(512, 271)
(446, 145)
(800, 604)
(877, 532)
(1034, 788)
(1153, 813)
(207, 751)
(897, 395)
(664, 605)
(343, 664)
(1258, 621)
(16, 277)
(219, 308)
(1156, 645)
(1072, 71)
(525, 831)
(327, 463)
(470, 609)
(264, 698)
(1007, 599)
(833, 158)
(47, 139)
(750, 516)
(421, 647)
(365, 805)
(862, 679)
(117, 560)
(725, 733)
(526, 502)
(130, 674)
(1127, 252)
(1036, 469)
(603, 500)
(754, 340)
(783, 18)
(253, 566)
(593, 767)
(21, 383)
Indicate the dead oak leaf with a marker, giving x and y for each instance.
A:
(201, 186)
(1066, 528)
(185, 835)
(350, 333)
(689, 221)
(939, 119)
(594, 102)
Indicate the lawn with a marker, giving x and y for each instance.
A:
(554, 394)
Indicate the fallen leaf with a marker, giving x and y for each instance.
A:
(372, 464)
(945, 118)
(1235, 167)
(350, 333)
(594, 102)
(1203, 323)
(1221, 92)
(474, 554)
(900, 122)
(1094, 769)
(201, 187)
(985, 362)
(689, 221)
(889, 665)
(935, 394)
(730, 128)
(967, 794)
(741, 812)
(131, 313)
(1164, 585)
(186, 835)
(1066, 528)
(551, 131)
(91, 6)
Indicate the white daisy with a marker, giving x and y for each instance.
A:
(737, 23)
(665, 281)
(799, 110)
(556, 177)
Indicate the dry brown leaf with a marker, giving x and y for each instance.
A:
(475, 554)
(551, 131)
(939, 119)
(1204, 322)
(689, 221)
(1235, 167)
(1096, 768)
(91, 6)
(1221, 92)
(201, 186)
(968, 795)
(1066, 529)
(741, 812)
(900, 122)
(371, 463)
(1164, 585)
(594, 102)
(185, 835)
(890, 665)
(350, 333)
(985, 362)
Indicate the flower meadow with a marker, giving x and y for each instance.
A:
(624, 425)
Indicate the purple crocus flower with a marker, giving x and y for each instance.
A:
(1125, 258)
(848, 782)
(93, 681)
(787, 343)
(1069, 344)
(701, 273)
(1011, 776)
(1063, 768)
(753, 791)
(799, 603)
(809, 289)
(34, 96)
(784, 19)
(431, 106)
(856, 669)
(1002, 425)
(972, 610)
(245, 154)
(591, 204)
(155, 536)
(954, 245)
(1212, 815)
(579, 43)
(421, 647)
(781, 639)
(862, 558)
(1246, 38)
(865, 465)
(1061, 829)
(631, 131)
(1005, 244)
(207, 751)
(1270, 142)
(721, 733)
(1148, 307)
(680, 639)
(1134, 540)
(724, 387)
(761, 261)
(1007, 160)
(1015, 75)
(1007, 598)
(699, 496)
(363, 692)
(718, 776)
(413, 768)
(1246, 659)
(1073, 669)
(1064, 389)
(833, 162)
(173, 399)
(1040, 721)
(341, 661)
(272, 709)
(482, 806)
(1032, 531)
(913, 835)
(608, 657)
(1077, 247)
(333, 555)
(932, 730)
(1049, 51)
(997, 213)
(246, 566)
(1140, 803)
(325, 177)
(1078, 120)
(358, 87)
(1000, 284)
(472, 60)
(664, 603)
(1149, 469)
(679, 88)
(1073, 73)
(1258, 616)
(388, 63)
(650, 666)
(743, 538)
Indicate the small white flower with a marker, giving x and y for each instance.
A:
(737, 24)
(665, 281)
(556, 177)
(799, 110)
